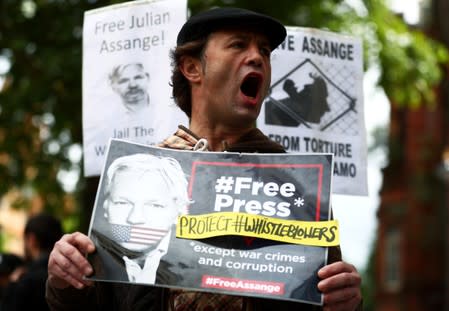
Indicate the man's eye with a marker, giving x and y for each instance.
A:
(121, 204)
(265, 51)
(155, 205)
(121, 81)
(238, 44)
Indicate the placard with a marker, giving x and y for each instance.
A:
(315, 103)
(239, 224)
(126, 75)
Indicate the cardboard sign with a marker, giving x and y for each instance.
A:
(126, 75)
(240, 224)
(315, 103)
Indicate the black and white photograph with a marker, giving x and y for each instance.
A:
(131, 82)
(137, 220)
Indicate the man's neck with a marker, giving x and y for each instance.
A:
(219, 136)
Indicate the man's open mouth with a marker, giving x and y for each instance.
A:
(251, 85)
(134, 92)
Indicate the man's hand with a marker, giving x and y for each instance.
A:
(17, 274)
(67, 264)
(340, 285)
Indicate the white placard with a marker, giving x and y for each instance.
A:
(315, 102)
(126, 75)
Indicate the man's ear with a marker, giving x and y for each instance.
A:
(114, 87)
(31, 237)
(31, 242)
(191, 68)
(31, 245)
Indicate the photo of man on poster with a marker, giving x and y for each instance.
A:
(130, 82)
(143, 195)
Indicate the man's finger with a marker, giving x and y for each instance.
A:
(335, 268)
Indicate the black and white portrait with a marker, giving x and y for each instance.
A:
(143, 195)
(130, 82)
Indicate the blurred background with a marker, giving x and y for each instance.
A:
(397, 236)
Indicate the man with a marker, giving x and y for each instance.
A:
(28, 292)
(220, 77)
(137, 187)
(130, 82)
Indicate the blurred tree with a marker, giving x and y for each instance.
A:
(40, 102)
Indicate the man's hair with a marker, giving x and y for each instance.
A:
(182, 93)
(46, 228)
(116, 72)
(168, 169)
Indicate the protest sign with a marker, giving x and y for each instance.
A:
(315, 103)
(126, 75)
(243, 224)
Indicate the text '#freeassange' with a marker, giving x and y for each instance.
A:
(312, 233)
(232, 284)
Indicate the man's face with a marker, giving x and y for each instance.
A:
(139, 209)
(235, 78)
(131, 85)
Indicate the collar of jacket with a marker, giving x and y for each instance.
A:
(253, 141)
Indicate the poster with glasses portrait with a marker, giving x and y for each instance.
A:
(315, 102)
(239, 224)
(126, 75)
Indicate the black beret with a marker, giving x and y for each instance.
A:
(204, 23)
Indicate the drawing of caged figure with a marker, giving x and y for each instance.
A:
(303, 107)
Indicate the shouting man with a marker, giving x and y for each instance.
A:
(221, 74)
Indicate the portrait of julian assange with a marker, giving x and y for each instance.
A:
(131, 82)
(142, 196)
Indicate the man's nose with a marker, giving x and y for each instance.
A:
(137, 214)
(255, 57)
